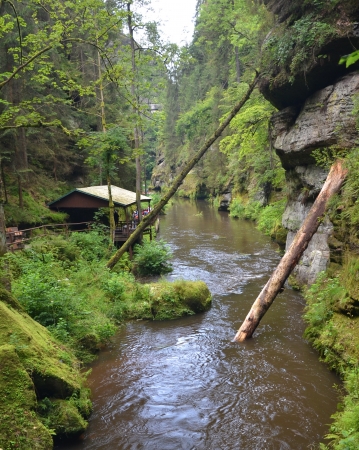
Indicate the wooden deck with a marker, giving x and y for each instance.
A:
(125, 229)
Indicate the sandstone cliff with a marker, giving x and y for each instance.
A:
(315, 96)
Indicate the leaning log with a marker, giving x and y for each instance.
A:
(182, 175)
(310, 225)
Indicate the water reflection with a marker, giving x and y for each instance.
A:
(184, 385)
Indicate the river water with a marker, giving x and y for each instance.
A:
(183, 384)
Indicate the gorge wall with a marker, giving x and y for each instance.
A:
(315, 117)
(324, 122)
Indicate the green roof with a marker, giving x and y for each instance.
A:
(120, 196)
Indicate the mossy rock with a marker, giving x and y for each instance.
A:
(90, 342)
(20, 427)
(10, 300)
(65, 419)
(281, 236)
(294, 283)
(194, 294)
(40, 354)
(178, 299)
(33, 366)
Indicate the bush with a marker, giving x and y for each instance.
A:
(270, 219)
(152, 258)
(236, 209)
(93, 245)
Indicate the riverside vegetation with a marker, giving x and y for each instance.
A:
(66, 71)
(77, 305)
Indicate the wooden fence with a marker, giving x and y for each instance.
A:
(16, 239)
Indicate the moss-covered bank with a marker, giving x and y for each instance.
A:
(34, 367)
(75, 305)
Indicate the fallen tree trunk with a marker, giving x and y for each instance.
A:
(181, 176)
(331, 186)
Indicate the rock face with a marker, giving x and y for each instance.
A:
(224, 201)
(325, 121)
(301, 53)
(306, 182)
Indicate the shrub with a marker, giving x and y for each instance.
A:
(152, 258)
(93, 245)
(236, 208)
(270, 218)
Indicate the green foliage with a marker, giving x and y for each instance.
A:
(270, 218)
(321, 298)
(351, 189)
(344, 432)
(325, 157)
(293, 47)
(92, 245)
(249, 210)
(350, 59)
(237, 208)
(55, 281)
(152, 258)
(335, 334)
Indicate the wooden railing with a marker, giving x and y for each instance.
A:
(15, 238)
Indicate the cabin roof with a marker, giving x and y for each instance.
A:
(120, 197)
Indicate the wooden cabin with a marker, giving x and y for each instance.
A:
(81, 204)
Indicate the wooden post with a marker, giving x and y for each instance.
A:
(331, 186)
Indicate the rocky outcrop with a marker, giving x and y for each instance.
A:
(326, 119)
(305, 183)
(301, 54)
(324, 122)
(224, 201)
(161, 174)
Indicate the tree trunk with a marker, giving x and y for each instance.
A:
(331, 186)
(181, 176)
(3, 248)
(135, 99)
(238, 65)
(108, 156)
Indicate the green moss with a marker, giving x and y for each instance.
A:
(158, 301)
(10, 300)
(349, 276)
(20, 428)
(64, 418)
(177, 299)
(33, 362)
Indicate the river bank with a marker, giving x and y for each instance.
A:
(64, 308)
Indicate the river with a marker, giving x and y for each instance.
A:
(183, 384)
